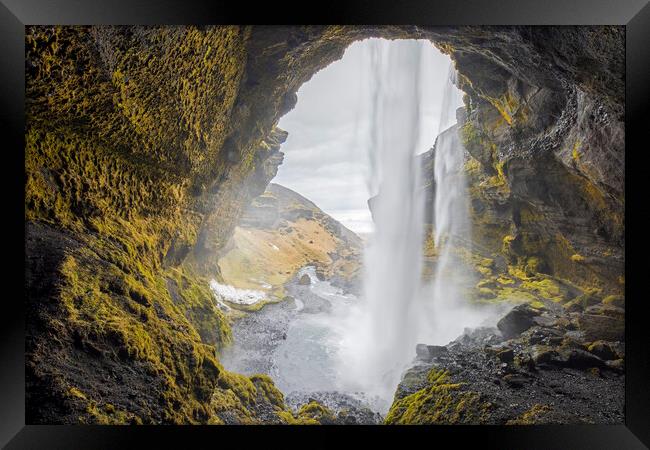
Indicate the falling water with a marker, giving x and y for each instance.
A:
(446, 310)
(361, 347)
(398, 310)
(381, 338)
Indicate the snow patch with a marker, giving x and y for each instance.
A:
(235, 295)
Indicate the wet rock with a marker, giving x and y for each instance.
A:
(606, 310)
(580, 359)
(604, 350)
(615, 300)
(340, 408)
(573, 306)
(428, 352)
(617, 365)
(524, 361)
(542, 335)
(602, 327)
(477, 337)
(507, 355)
(575, 358)
(518, 320)
(320, 272)
(542, 355)
(515, 380)
(581, 302)
(304, 280)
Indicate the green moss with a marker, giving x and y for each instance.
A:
(199, 306)
(532, 416)
(313, 413)
(470, 135)
(615, 300)
(574, 152)
(271, 394)
(505, 106)
(577, 258)
(534, 265)
(546, 288)
(122, 125)
(442, 402)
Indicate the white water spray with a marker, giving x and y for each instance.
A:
(381, 338)
(398, 310)
(446, 310)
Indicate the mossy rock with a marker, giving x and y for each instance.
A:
(615, 300)
(441, 402)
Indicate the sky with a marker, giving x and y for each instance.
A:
(326, 152)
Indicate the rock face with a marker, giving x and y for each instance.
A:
(144, 146)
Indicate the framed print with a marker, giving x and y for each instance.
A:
(391, 219)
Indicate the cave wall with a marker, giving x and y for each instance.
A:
(145, 144)
(549, 136)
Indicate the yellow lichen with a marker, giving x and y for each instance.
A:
(441, 402)
(577, 258)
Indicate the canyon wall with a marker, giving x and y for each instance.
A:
(144, 145)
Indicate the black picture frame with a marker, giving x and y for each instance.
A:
(633, 14)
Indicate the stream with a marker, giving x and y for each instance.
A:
(297, 343)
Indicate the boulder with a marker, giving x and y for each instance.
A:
(542, 335)
(615, 300)
(602, 327)
(604, 350)
(519, 319)
(515, 380)
(617, 365)
(304, 280)
(507, 355)
(542, 355)
(574, 358)
(580, 359)
(428, 352)
(581, 302)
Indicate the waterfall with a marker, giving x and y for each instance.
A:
(381, 336)
(445, 310)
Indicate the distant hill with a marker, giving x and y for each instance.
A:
(282, 231)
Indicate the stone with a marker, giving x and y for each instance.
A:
(581, 302)
(603, 350)
(617, 365)
(615, 300)
(507, 355)
(580, 359)
(304, 280)
(602, 327)
(542, 355)
(543, 335)
(514, 380)
(518, 320)
(428, 352)
(524, 361)
(574, 358)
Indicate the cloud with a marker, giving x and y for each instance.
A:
(326, 153)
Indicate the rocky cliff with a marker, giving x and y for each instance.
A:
(144, 145)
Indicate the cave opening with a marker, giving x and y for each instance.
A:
(314, 227)
(134, 212)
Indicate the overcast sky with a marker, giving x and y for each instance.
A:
(326, 153)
